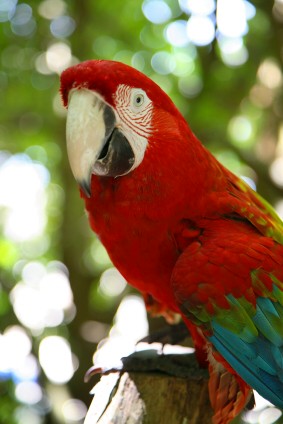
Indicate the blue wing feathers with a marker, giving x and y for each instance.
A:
(265, 304)
(267, 385)
(278, 356)
(234, 341)
(259, 361)
(249, 351)
(269, 320)
(264, 324)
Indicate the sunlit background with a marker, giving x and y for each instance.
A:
(221, 62)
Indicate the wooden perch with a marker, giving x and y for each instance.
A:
(150, 398)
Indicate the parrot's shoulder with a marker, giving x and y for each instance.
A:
(250, 205)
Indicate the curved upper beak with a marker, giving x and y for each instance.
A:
(95, 145)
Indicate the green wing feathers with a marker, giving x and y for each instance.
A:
(250, 205)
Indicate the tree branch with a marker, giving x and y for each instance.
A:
(150, 398)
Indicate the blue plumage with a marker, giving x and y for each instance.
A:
(258, 361)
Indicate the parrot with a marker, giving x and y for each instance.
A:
(191, 236)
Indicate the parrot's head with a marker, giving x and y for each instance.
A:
(114, 113)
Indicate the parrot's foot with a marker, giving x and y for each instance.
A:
(178, 365)
(157, 309)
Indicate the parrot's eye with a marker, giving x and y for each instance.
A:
(138, 100)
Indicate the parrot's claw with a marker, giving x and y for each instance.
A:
(97, 369)
(91, 372)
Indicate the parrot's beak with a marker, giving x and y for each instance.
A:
(95, 144)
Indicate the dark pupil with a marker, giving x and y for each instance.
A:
(138, 99)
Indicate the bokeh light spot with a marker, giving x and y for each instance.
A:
(163, 63)
(276, 171)
(279, 208)
(27, 415)
(7, 9)
(22, 23)
(231, 18)
(270, 74)
(240, 130)
(51, 9)
(200, 30)
(22, 192)
(55, 357)
(15, 346)
(63, 26)
(138, 61)
(44, 297)
(190, 86)
(55, 289)
(130, 326)
(185, 64)
(33, 272)
(269, 416)
(105, 46)
(112, 283)
(26, 369)
(261, 96)
(233, 51)
(249, 181)
(156, 11)
(176, 33)
(58, 57)
(28, 392)
(197, 7)
(74, 410)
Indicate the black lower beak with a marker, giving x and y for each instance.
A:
(116, 157)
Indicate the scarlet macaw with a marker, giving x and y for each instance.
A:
(191, 236)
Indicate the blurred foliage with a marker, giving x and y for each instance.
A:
(228, 86)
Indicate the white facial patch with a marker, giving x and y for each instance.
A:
(134, 109)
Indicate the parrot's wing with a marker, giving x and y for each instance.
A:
(247, 203)
(230, 283)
